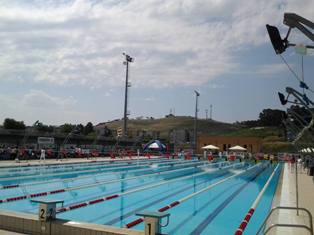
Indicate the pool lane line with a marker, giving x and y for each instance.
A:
(138, 189)
(203, 207)
(59, 170)
(75, 164)
(200, 228)
(130, 213)
(99, 174)
(76, 172)
(40, 194)
(36, 164)
(143, 164)
(149, 197)
(175, 203)
(69, 173)
(69, 170)
(127, 188)
(9, 175)
(251, 211)
(84, 166)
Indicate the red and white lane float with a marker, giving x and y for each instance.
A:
(106, 198)
(99, 174)
(175, 203)
(41, 194)
(251, 211)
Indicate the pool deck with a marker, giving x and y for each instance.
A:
(6, 232)
(286, 196)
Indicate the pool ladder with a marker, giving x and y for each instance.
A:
(299, 226)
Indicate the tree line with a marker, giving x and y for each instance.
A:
(268, 117)
(276, 118)
(10, 123)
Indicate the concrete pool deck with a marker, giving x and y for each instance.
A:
(6, 232)
(286, 196)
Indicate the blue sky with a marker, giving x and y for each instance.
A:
(61, 61)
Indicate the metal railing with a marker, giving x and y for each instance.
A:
(302, 226)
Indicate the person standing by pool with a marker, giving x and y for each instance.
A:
(43, 155)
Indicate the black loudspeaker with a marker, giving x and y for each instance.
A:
(282, 98)
(275, 38)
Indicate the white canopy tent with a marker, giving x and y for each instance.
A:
(237, 148)
(210, 147)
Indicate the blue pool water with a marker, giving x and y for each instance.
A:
(147, 185)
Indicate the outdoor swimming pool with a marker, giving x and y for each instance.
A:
(111, 193)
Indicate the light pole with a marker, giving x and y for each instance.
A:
(127, 85)
(197, 94)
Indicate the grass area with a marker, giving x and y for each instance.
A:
(164, 125)
(267, 133)
(275, 147)
(210, 127)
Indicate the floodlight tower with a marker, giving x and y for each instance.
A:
(128, 59)
(197, 94)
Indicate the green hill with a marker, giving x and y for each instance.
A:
(273, 137)
(210, 127)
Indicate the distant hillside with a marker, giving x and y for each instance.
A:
(273, 139)
(210, 127)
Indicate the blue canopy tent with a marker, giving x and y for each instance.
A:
(155, 145)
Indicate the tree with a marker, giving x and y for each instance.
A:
(10, 123)
(80, 128)
(250, 123)
(44, 128)
(271, 117)
(88, 128)
(107, 132)
(67, 128)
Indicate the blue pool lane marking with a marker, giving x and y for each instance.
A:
(106, 198)
(175, 203)
(203, 207)
(198, 230)
(162, 169)
(113, 221)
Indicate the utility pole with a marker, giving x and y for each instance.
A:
(206, 111)
(127, 85)
(197, 94)
(211, 112)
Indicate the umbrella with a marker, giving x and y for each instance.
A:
(212, 147)
(237, 148)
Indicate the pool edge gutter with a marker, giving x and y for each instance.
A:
(30, 224)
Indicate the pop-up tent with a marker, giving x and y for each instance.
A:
(155, 145)
(237, 148)
(210, 147)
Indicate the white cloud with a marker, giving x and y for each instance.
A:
(178, 42)
(40, 99)
(37, 104)
(271, 69)
(150, 99)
